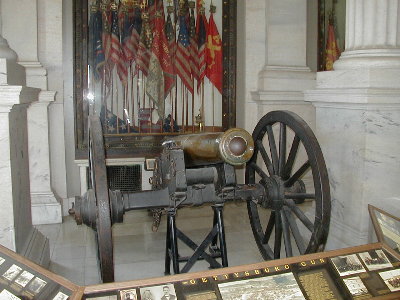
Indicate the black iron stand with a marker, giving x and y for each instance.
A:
(215, 239)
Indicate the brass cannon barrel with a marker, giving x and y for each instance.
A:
(234, 146)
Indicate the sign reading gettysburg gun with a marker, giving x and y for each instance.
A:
(286, 190)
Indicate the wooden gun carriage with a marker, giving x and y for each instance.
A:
(285, 170)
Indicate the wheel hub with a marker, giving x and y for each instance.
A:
(275, 192)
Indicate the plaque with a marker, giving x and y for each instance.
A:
(282, 286)
(318, 285)
(24, 278)
(37, 285)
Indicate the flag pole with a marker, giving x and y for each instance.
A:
(213, 108)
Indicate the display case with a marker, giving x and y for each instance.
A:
(363, 272)
(23, 279)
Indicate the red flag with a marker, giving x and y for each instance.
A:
(116, 54)
(143, 54)
(214, 55)
(201, 30)
(182, 57)
(160, 78)
(332, 49)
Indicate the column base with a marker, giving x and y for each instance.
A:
(45, 209)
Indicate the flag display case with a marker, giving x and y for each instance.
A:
(151, 68)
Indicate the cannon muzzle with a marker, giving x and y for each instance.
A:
(234, 146)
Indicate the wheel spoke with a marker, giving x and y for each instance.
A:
(300, 214)
(295, 231)
(292, 156)
(299, 196)
(272, 146)
(258, 170)
(265, 157)
(286, 235)
(270, 227)
(296, 176)
(278, 236)
(282, 148)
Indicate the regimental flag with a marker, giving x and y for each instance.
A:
(182, 57)
(143, 54)
(126, 33)
(169, 32)
(201, 30)
(96, 56)
(194, 55)
(154, 7)
(332, 49)
(116, 54)
(160, 79)
(106, 34)
(136, 30)
(214, 55)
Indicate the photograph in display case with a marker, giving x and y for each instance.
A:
(6, 295)
(12, 272)
(392, 279)
(282, 286)
(348, 264)
(2, 260)
(355, 286)
(24, 278)
(37, 285)
(206, 295)
(375, 260)
(129, 294)
(60, 296)
(158, 292)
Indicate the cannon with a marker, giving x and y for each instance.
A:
(286, 190)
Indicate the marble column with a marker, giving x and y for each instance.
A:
(46, 209)
(358, 120)
(285, 75)
(16, 230)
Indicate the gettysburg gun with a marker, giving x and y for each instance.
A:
(286, 190)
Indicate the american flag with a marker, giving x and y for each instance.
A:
(143, 54)
(116, 54)
(127, 45)
(194, 55)
(169, 32)
(136, 30)
(106, 34)
(96, 46)
(182, 57)
(201, 30)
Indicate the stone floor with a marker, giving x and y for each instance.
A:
(139, 252)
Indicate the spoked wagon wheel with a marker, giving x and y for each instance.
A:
(98, 195)
(289, 163)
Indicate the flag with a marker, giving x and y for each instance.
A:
(106, 34)
(96, 55)
(214, 55)
(145, 41)
(182, 57)
(116, 54)
(201, 30)
(154, 7)
(194, 55)
(136, 30)
(160, 78)
(126, 33)
(332, 49)
(169, 32)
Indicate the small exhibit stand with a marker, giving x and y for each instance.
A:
(361, 272)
